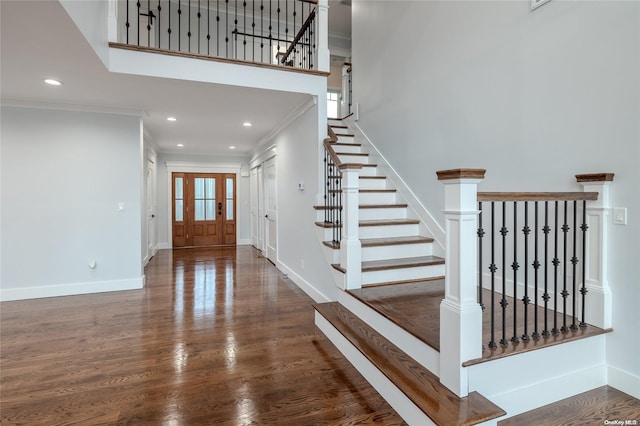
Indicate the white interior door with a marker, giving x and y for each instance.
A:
(261, 211)
(271, 210)
(254, 189)
(151, 208)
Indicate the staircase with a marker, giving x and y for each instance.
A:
(389, 324)
(397, 254)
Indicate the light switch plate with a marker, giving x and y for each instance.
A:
(620, 215)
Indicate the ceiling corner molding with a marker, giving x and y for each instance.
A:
(30, 103)
(290, 118)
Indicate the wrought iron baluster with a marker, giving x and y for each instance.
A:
(226, 32)
(565, 229)
(574, 262)
(546, 229)
(199, 16)
(536, 267)
(583, 290)
(261, 30)
(278, 18)
(270, 31)
(208, 28)
(493, 269)
(515, 268)
(556, 262)
(127, 24)
(159, 25)
(138, 4)
(480, 236)
(189, 27)
(525, 299)
(169, 25)
(504, 231)
(179, 25)
(149, 22)
(244, 30)
(253, 29)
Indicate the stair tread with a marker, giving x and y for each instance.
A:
(357, 154)
(337, 126)
(418, 384)
(345, 144)
(385, 190)
(380, 242)
(370, 206)
(389, 222)
(408, 262)
(349, 135)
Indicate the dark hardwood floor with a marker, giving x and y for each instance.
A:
(218, 336)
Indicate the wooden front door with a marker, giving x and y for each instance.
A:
(204, 209)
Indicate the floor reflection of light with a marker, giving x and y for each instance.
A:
(229, 287)
(230, 350)
(179, 291)
(204, 291)
(245, 406)
(172, 413)
(180, 359)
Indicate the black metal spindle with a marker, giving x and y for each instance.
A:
(515, 266)
(583, 290)
(253, 30)
(159, 25)
(493, 268)
(149, 22)
(326, 184)
(208, 28)
(480, 236)
(189, 28)
(564, 293)
(536, 267)
(199, 16)
(546, 229)
(262, 30)
(235, 31)
(270, 31)
(127, 24)
(278, 17)
(556, 262)
(574, 262)
(525, 299)
(503, 302)
(138, 4)
(226, 32)
(179, 25)
(244, 30)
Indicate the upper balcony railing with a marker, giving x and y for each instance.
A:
(276, 32)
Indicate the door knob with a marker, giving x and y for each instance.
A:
(266, 215)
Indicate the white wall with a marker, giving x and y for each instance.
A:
(63, 175)
(298, 161)
(243, 225)
(533, 97)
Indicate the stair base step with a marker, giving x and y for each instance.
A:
(418, 384)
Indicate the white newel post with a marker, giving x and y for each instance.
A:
(322, 34)
(350, 248)
(598, 298)
(460, 313)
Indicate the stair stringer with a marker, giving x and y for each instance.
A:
(530, 380)
(424, 354)
(427, 221)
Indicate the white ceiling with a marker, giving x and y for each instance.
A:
(39, 40)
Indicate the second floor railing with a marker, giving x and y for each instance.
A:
(276, 32)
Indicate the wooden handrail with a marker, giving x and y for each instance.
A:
(328, 142)
(537, 196)
(298, 36)
(338, 118)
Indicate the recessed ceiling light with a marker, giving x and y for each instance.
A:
(172, 119)
(52, 82)
(247, 124)
(180, 145)
(232, 147)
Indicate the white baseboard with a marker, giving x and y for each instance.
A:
(37, 292)
(623, 381)
(164, 246)
(244, 242)
(311, 291)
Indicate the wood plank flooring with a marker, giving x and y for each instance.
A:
(600, 406)
(218, 336)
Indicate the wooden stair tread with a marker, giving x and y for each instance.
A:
(389, 222)
(381, 242)
(370, 191)
(345, 144)
(408, 262)
(357, 154)
(387, 264)
(415, 381)
(348, 135)
(337, 126)
(369, 206)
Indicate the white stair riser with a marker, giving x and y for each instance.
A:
(398, 251)
(377, 197)
(347, 148)
(369, 171)
(387, 231)
(372, 183)
(344, 139)
(382, 214)
(402, 274)
(335, 123)
(355, 159)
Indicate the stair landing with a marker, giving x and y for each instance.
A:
(415, 307)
